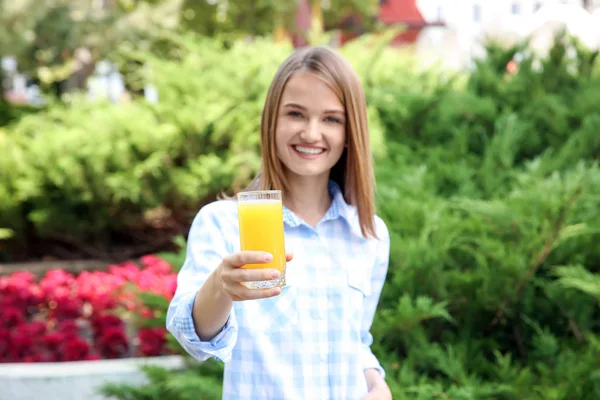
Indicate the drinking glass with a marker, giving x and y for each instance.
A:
(260, 216)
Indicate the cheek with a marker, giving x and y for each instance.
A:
(286, 129)
(281, 137)
(338, 139)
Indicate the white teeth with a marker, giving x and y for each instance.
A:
(308, 150)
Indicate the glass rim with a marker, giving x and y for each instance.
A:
(260, 194)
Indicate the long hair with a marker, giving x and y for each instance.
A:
(354, 170)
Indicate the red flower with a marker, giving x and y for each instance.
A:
(113, 343)
(43, 321)
(36, 328)
(32, 329)
(170, 283)
(106, 321)
(66, 307)
(75, 349)
(10, 317)
(156, 265)
(19, 290)
(53, 340)
(68, 328)
(57, 277)
(20, 347)
(33, 358)
(4, 343)
(145, 312)
(152, 341)
(98, 289)
(127, 270)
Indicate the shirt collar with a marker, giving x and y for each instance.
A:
(338, 208)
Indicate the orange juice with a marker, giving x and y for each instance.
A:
(261, 229)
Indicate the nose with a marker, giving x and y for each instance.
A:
(312, 132)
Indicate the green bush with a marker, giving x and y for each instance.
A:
(90, 170)
(491, 193)
(86, 173)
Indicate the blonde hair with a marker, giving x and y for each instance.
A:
(354, 171)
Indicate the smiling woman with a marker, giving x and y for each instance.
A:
(309, 339)
(317, 96)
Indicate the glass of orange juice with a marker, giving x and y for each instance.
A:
(260, 216)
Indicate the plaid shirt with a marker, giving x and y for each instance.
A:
(313, 340)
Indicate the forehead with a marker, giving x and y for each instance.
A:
(310, 91)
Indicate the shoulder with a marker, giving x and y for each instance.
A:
(216, 225)
(219, 207)
(381, 229)
(383, 242)
(220, 213)
(379, 226)
(382, 252)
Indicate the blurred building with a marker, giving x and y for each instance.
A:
(477, 16)
(452, 33)
(408, 14)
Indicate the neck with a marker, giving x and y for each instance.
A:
(308, 198)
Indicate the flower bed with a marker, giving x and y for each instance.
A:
(95, 315)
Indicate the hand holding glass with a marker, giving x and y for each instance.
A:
(260, 216)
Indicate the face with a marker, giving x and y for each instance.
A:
(311, 127)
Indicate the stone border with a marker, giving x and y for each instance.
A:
(85, 368)
(76, 380)
(39, 268)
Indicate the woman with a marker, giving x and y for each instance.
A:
(309, 339)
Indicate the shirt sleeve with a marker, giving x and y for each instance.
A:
(378, 276)
(207, 246)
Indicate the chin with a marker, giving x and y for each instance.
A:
(306, 173)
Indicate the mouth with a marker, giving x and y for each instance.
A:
(308, 152)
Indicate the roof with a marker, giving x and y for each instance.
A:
(400, 11)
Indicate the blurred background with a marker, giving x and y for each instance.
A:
(119, 119)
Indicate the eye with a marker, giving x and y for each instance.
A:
(295, 114)
(333, 120)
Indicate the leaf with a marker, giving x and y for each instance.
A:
(576, 230)
(154, 301)
(408, 313)
(579, 278)
(6, 233)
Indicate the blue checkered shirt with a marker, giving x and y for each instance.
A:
(313, 340)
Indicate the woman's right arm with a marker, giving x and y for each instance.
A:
(201, 315)
(214, 300)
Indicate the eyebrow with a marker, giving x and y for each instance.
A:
(298, 106)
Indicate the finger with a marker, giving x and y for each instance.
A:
(247, 257)
(240, 293)
(289, 257)
(251, 275)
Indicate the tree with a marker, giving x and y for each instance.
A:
(57, 42)
(263, 17)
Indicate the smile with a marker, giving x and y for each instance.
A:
(311, 151)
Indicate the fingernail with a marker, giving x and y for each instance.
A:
(268, 257)
(276, 291)
(275, 274)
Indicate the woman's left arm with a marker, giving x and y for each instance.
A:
(374, 373)
(378, 389)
